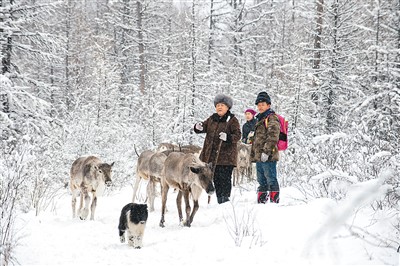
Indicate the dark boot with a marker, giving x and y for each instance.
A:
(274, 196)
(224, 199)
(262, 196)
(219, 199)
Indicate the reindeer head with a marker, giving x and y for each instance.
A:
(104, 170)
(205, 176)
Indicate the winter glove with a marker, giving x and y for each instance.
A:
(223, 136)
(199, 126)
(264, 157)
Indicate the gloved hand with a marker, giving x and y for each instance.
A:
(251, 134)
(223, 136)
(264, 157)
(199, 126)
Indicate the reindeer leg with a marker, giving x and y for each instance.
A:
(164, 193)
(151, 193)
(187, 204)
(80, 201)
(74, 203)
(179, 205)
(195, 208)
(85, 211)
(136, 186)
(94, 204)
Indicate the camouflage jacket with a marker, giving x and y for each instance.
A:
(266, 137)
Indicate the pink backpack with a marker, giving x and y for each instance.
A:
(283, 138)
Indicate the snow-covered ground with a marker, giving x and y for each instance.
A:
(240, 232)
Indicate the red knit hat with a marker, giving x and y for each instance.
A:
(251, 111)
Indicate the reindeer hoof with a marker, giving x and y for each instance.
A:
(122, 239)
(138, 247)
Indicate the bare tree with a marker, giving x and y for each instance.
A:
(317, 44)
(142, 62)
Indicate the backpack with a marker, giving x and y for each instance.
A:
(283, 138)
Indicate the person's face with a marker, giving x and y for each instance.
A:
(263, 106)
(221, 109)
(248, 116)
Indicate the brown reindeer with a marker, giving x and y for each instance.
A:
(156, 166)
(88, 175)
(142, 170)
(149, 167)
(243, 166)
(188, 174)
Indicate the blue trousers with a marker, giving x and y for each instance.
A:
(266, 176)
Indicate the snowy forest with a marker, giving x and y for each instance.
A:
(106, 77)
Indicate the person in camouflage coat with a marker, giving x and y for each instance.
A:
(222, 135)
(264, 151)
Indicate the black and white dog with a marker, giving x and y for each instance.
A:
(133, 219)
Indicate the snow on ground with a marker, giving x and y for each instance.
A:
(290, 233)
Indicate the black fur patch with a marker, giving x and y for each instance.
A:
(138, 213)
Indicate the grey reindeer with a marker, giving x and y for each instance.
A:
(88, 175)
(191, 176)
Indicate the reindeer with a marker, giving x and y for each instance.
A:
(188, 174)
(156, 166)
(142, 170)
(243, 166)
(88, 175)
(149, 167)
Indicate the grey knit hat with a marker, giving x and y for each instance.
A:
(225, 99)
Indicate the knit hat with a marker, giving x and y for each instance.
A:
(263, 97)
(225, 99)
(251, 111)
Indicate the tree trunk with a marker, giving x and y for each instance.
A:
(237, 31)
(210, 38)
(193, 55)
(7, 47)
(398, 41)
(124, 47)
(317, 45)
(375, 75)
(330, 116)
(6, 60)
(141, 48)
(68, 88)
